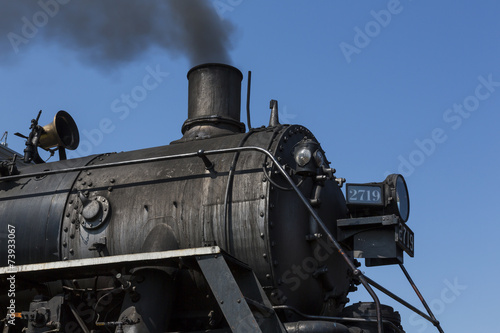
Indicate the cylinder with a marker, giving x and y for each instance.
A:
(214, 102)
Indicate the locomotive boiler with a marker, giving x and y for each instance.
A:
(223, 230)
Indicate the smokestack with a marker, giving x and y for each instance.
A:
(214, 102)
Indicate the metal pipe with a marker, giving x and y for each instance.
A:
(398, 299)
(339, 319)
(248, 100)
(434, 321)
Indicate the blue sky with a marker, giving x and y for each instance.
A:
(407, 86)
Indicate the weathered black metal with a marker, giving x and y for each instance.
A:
(215, 187)
(214, 102)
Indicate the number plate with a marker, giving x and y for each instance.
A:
(405, 238)
(364, 194)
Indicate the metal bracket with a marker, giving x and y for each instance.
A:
(236, 297)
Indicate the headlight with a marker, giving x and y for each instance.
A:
(375, 199)
(303, 156)
(306, 154)
(399, 194)
(319, 158)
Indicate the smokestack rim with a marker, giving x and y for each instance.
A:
(214, 64)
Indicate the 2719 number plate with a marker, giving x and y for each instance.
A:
(405, 238)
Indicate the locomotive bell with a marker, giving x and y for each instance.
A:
(61, 132)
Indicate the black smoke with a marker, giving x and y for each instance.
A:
(107, 33)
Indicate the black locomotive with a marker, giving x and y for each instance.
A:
(223, 230)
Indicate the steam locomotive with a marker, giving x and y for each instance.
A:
(223, 230)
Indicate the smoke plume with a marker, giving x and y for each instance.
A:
(107, 33)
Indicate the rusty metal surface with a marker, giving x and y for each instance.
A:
(35, 207)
